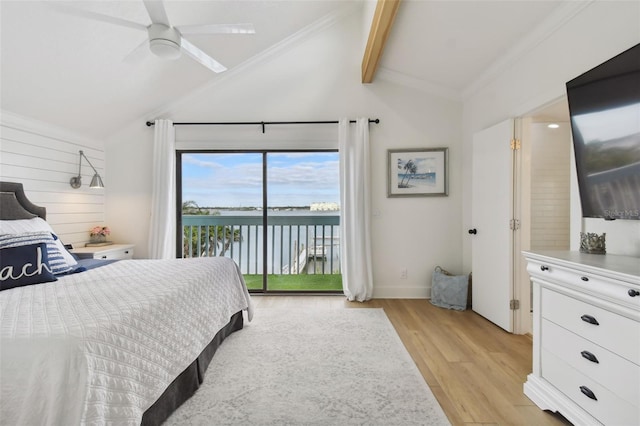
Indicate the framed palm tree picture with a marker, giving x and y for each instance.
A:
(417, 172)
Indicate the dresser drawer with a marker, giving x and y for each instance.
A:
(567, 287)
(607, 407)
(617, 374)
(588, 282)
(125, 253)
(614, 332)
(108, 252)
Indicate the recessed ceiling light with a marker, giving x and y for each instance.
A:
(553, 125)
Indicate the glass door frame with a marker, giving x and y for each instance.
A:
(265, 216)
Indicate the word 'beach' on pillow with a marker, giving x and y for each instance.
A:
(24, 261)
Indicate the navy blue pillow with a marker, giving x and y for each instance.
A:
(24, 265)
(57, 262)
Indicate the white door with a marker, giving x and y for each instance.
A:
(492, 211)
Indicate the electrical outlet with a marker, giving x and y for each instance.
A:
(403, 274)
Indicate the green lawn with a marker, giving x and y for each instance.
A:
(302, 282)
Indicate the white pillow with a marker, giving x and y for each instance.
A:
(36, 224)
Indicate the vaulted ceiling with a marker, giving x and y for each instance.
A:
(78, 73)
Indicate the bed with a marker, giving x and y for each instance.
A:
(122, 343)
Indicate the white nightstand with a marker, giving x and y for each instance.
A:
(113, 251)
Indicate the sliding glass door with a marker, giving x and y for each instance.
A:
(275, 213)
(220, 198)
(303, 220)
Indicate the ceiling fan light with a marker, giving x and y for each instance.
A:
(165, 49)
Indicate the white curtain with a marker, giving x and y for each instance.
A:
(162, 229)
(355, 208)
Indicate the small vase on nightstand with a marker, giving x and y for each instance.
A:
(98, 239)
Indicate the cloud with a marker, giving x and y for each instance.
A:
(199, 162)
(294, 179)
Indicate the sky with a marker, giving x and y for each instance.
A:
(235, 179)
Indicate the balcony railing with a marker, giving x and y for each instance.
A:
(296, 244)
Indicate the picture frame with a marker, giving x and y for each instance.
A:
(420, 172)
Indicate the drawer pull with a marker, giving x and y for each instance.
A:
(584, 278)
(591, 357)
(544, 268)
(633, 293)
(126, 252)
(104, 257)
(589, 319)
(585, 390)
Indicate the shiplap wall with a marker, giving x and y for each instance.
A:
(550, 187)
(44, 159)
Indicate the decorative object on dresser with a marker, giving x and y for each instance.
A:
(586, 336)
(592, 243)
(109, 251)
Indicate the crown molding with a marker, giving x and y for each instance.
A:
(402, 79)
(563, 14)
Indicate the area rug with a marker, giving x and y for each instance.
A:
(313, 367)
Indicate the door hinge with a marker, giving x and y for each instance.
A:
(515, 144)
(514, 224)
(514, 304)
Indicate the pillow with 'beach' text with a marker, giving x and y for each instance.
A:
(24, 261)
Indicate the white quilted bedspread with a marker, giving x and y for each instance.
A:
(99, 347)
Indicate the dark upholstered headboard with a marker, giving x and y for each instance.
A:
(15, 205)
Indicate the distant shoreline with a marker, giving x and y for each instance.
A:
(257, 208)
(283, 208)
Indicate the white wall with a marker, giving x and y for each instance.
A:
(408, 233)
(550, 186)
(596, 33)
(44, 158)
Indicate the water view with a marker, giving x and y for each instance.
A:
(308, 244)
(302, 233)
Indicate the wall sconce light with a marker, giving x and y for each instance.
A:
(76, 181)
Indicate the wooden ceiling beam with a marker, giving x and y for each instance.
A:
(381, 25)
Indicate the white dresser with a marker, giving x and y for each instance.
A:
(586, 336)
(111, 252)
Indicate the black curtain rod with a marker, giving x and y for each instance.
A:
(261, 123)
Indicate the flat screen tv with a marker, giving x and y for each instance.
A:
(604, 105)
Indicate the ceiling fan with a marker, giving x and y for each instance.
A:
(165, 40)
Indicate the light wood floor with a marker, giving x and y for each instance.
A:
(474, 368)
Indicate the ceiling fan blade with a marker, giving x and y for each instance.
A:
(201, 57)
(217, 29)
(155, 9)
(95, 16)
(138, 53)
